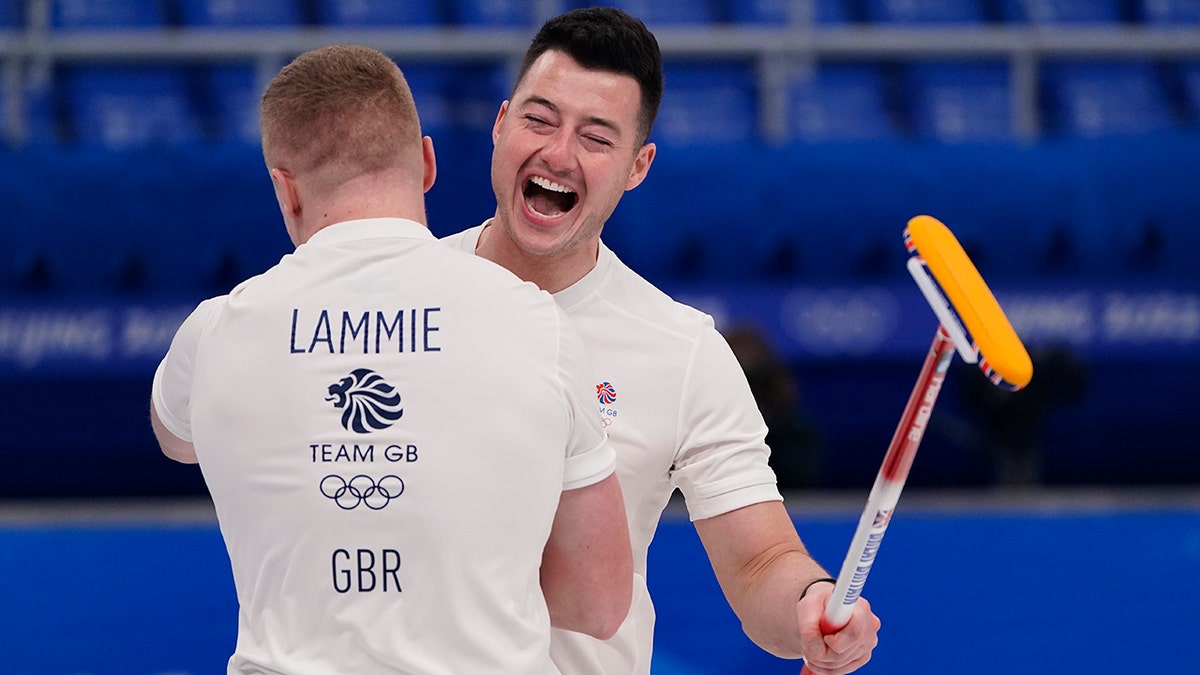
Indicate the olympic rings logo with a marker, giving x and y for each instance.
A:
(362, 489)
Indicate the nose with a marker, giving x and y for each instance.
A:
(558, 153)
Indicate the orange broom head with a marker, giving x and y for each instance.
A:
(1001, 355)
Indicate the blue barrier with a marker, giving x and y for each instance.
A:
(962, 588)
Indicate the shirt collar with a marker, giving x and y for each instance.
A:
(580, 290)
(576, 292)
(370, 228)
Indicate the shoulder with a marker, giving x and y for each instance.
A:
(629, 293)
(463, 241)
(204, 314)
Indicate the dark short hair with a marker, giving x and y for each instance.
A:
(606, 39)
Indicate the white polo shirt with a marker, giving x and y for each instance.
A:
(679, 414)
(385, 425)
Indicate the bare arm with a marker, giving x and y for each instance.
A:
(763, 568)
(587, 565)
(172, 446)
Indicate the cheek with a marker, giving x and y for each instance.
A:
(503, 173)
(605, 195)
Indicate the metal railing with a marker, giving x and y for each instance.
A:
(779, 53)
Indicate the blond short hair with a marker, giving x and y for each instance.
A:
(345, 110)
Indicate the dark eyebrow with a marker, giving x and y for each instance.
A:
(599, 121)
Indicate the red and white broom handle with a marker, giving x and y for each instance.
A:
(888, 485)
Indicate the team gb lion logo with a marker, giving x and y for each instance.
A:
(368, 402)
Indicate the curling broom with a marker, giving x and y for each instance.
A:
(971, 323)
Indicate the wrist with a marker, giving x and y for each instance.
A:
(815, 582)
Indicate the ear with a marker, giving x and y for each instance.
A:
(285, 191)
(499, 120)
(288, 196)
(641, 166)
(430, 163)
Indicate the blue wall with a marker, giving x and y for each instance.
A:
(968, 587)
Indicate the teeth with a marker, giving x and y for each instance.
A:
(547, 184)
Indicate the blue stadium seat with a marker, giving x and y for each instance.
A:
(119, 106)
(497, 13)
(373, 13)
(1098, 99)
(1190, 73)
(1052, 12)
(954, 102)
(924, 11)
(458, 105)
(779, 12)
(838, 210)
(478, 91)
(1146, 200)
(233, 96)
(1171, 11)
(1158, 12)
(42, 116)
(231, 13)
(1019, 211)
(59, 247)
(11, 12)
(838, 102)
(232, 237)
(693, 216)
(156, 219)
(432, 86)
(92, 14)
(707, 103)
(657, 14)
(14, 198)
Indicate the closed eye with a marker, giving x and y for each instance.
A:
(536, 121)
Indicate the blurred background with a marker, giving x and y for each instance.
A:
(1059, 139)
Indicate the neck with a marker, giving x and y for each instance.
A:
(551, 273)
(367, 199)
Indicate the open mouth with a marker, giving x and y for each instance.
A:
(547, 198)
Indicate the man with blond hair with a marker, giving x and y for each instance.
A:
(408, 468)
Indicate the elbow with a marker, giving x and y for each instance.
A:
(607, 622)
(604, 619)
(599, 613)
(181, 455)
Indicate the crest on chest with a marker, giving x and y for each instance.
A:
(606, 398)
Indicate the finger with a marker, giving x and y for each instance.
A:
(839, 668)
(862, 629)
(809, 612)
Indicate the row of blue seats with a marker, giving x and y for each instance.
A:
(130, 105)
(195, 220)
(1123, 206)
(945, 101)
(704, 103)
(76, 14)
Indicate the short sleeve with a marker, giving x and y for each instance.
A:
(722, 463)
(590, 459)
(171, 391)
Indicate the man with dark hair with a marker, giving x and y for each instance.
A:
(382, 511)
(568, 143)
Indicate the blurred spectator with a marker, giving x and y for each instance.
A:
(1008, 425)
(794, 440)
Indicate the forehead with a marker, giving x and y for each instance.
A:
(571, 88)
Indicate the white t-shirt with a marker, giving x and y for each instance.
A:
(385, 425)
(679, 414)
